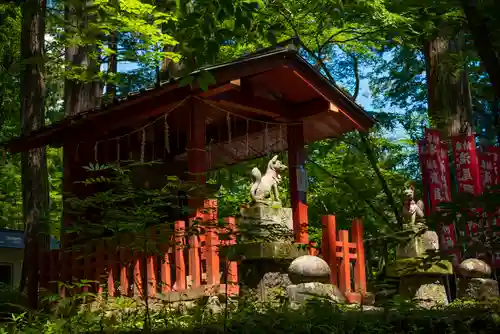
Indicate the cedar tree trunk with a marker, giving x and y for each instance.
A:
(33, 163)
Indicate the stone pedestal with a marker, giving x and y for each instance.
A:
(299, 294)
(263, 268)
(266, 223)
(426, 291)
(475, 281)
(477, 288)
(266, 249)
(419, 245)
(421, 277)
(265, 278)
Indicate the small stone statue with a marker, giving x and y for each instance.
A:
(265, 187)
(413, 212)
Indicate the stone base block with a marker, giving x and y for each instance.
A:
(300, 293)
(426, 291)
(266, 222)
(278, 251)
(418, 266)
(264, 278)
(477, 288)
(419, 246)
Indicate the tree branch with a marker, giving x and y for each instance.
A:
(355, 64)
(373, 161)
(350, 185)
(318, 60)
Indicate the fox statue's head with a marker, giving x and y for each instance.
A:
(276, 165)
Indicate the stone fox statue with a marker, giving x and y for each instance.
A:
(413, 212)
(266, 186)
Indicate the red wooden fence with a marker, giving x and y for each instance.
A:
(191, 266)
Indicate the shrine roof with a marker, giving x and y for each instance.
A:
(279, 75)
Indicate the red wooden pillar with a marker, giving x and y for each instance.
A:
(166, 275)
(359, 267)
(232, 266)
(151, 267)
(124, 283)
(196, 157)
(345, 264)
(180, 266)
(330, 246)
(212, 243)
(138, 288)
(110, 250)
(194, 255)
(298, 181)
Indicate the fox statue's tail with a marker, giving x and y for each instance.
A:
(257, 175)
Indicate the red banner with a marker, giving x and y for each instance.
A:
(494, 217)
(466, 164)
(495, 157)
(449, 241)
(435, 169)
(422, 157)
(488, 177)
(437, 177)
(474, 227)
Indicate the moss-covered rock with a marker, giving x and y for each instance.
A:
(270, 250)
(418, 265)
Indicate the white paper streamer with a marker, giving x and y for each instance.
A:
(167, 139)
(143, 144)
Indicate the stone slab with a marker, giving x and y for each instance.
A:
(269, 250)
(419, 245)
(263, 278)
(300, 293)
(426, 291)
(418, 266)
(477, 288)
(266, 222)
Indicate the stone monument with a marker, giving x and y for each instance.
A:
(266, 247)
(265, 218)
(310, 277)
(475, 281)
(421, 276)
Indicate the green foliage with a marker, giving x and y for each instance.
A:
(122, 315)
(468, 209)
(120, 207)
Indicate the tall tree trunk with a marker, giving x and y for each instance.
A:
(33, 163)
(482, 41)
(81, 95)
(112, 65)
(449, 101)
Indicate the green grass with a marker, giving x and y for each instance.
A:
(127, 316)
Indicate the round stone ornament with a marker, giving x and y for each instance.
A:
(308, 268)
(474, 268)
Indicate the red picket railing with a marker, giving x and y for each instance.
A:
(191, 265)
